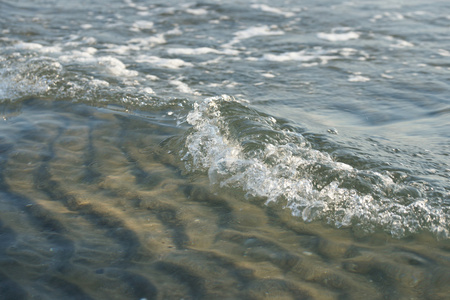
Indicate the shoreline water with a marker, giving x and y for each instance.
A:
(100, 209)
(322, 172)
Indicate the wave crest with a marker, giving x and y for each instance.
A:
(242, 148)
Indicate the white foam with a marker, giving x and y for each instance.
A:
(346, 52)
(51, 49)
(89, 40)
(136, 6)
(290, 56)
(273, 10)
(97, 83)
(150, 41)
(304, 56)
(28, 46)
(358, 78)
(253, 32)
(37, 47)
(89, 50)
(281, 171)
(86, 26)
(308, 65)
(192, 51)
(81, 57)
(197, 11)
(149, 90)
(141, 25)
(268, 75)
(338, 37)
(399, 43)
(225, 83)
(387, 76)
(121, 49)
(444, 52)
(170, 63)
(183, 87)
(256, 31)
(109, 64)
(175, 31)
(200, 51)
(392, 16)
(115, 67)
(151, 77)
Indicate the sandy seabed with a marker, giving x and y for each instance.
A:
(93, 206)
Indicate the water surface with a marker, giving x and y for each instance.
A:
(204, 150)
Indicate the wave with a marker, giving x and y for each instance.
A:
(242, 148)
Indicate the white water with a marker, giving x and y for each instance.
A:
(282, 171)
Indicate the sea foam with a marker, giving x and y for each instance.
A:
(169, 63)
(251, 32)
(273, 10)
(240, 148)
(338, 37)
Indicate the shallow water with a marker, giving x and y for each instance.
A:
(93, 207)
(224, 150)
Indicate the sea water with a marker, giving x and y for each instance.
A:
(224, 150)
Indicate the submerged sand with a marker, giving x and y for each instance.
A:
(93, 205)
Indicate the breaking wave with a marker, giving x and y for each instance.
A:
(240, 147)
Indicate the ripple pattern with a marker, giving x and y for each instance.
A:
(92, 206)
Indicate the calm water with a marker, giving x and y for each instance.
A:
(224, 150)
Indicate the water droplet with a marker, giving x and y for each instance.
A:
(332, 131)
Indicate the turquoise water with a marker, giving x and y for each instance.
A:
(288, 150)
